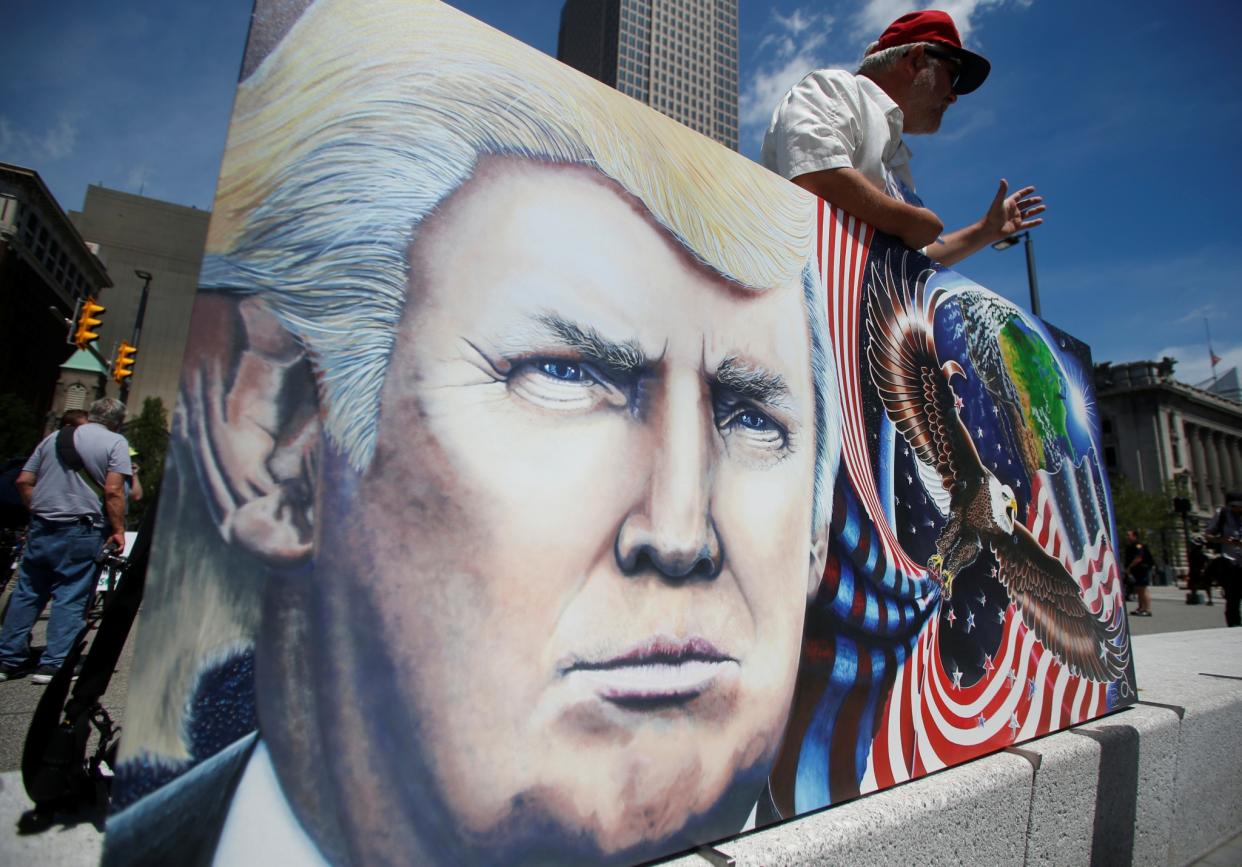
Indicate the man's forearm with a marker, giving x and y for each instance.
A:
(849, 190)
(114, 509)
(25, 485)
(956, 246)
(114, 505)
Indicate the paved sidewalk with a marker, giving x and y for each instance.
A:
(77, 840)
(1170, 613)
(66, 845)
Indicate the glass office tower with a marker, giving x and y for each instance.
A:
(678, 56)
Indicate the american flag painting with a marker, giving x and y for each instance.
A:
(923, 650)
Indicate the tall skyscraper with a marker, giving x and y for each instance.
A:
(678, 56)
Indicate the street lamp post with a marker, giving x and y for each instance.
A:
(145, 277)
(1181, 505)
(1005, 244)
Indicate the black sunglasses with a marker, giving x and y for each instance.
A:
(955, 65)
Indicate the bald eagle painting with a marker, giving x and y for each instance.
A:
(971, 598)
(916, 390)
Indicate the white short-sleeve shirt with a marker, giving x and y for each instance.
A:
(834, 119)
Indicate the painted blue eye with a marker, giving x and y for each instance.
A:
(755, 421)
(562, 370)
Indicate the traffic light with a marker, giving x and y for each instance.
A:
(123, 366)
(88, 320)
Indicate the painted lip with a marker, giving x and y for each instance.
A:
(654, 674)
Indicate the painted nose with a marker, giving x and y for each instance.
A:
(670, 531)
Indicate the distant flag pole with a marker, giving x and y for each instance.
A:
(1211, 355)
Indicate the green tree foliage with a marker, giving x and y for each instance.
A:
(148, 433)
(19, 428)
(1151, 514)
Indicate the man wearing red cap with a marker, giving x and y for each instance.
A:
(839, 135)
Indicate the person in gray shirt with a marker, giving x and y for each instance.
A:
(68, 525)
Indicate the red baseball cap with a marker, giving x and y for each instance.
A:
(932, 25)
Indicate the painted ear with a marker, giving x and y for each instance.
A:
(819, 560)
(251, 416)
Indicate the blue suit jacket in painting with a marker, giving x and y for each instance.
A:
(180, 822)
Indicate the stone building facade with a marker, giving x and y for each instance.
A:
(1158, 430)
(138, 234)
(46, 268)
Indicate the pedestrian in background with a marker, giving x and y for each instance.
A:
(1139, 562)
(61, 485)
(1225, 530)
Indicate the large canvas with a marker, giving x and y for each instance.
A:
(550, 484)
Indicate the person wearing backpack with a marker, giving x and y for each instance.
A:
(1139, 563)
(74, 486)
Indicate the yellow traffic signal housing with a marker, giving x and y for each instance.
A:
(124, 364)
(88, 321)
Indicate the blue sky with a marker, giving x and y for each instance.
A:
(1126, 116)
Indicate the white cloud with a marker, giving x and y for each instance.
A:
(25, 147)
(875, 15)
(766, 87)
(974, 121)
(1193, 365)
(794, 45)
(1199, 314)
(136, 179)
(797, 22)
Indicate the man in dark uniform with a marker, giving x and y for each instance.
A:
(1226, 530)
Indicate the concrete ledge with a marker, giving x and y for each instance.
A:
(1063, 798)
(1133, 791)
(936, 814)
(1158, 783)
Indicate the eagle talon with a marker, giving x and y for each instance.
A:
(948, 584)
(934, 562)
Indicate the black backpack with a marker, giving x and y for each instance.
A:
(13, 514)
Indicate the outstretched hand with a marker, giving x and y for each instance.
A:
(1011, 214)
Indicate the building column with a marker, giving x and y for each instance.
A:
(1213, 468)
(1178, 444)
(1164, 437)
(1198, 467)
(1228, 478)
(1152, 475)
(1235, 457)
(1222, 456)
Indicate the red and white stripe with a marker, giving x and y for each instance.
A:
(1095, 570)
(844, 243)
(928, 723)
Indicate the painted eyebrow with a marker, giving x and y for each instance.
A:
(753, 382)
(619, 360)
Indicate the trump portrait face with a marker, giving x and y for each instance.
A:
(560, 611)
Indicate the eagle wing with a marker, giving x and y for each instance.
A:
(912, 384)
(1050, 603)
